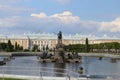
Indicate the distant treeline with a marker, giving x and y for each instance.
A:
(112, 47)
(9, 47)
(102, 47)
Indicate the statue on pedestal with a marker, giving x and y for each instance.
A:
(59, 37)
(60, 51)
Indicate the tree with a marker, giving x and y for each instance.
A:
(35, 48)
(75, 48)
(115, 46)
(3, 46)
(43, 48)
(21, 47)
(47, 48)
(9, 46)
(86, 45)
(16, 46)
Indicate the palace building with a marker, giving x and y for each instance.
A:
(50, 40)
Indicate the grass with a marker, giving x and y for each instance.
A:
(11, 79)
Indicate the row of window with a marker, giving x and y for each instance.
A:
(41, 42)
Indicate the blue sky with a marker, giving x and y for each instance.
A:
(96, 17)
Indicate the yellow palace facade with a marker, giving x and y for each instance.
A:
(50, 40)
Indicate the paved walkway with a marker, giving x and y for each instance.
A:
(38, 78)
(107, 55)
(80, 54)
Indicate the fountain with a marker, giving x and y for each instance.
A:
(60, 54)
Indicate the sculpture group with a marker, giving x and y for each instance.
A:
(60, 55)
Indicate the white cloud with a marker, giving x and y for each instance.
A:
(41, 15)
(65, 22)
(65, 17)
(113, 26)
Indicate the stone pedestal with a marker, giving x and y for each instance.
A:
(60, 53)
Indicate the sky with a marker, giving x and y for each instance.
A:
(89, 17)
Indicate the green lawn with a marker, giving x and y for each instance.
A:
(11, 79)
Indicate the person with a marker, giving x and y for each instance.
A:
(80, 71)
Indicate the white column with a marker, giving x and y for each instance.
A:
(21, 43)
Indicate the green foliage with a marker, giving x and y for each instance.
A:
(18, 47)
(3, 46)
(86, 45)
(11, 79)
(26, 50)
(109, 47)
(43, 48)
(75, 48)
(35, 48)
(47, 48)
(10, 47)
